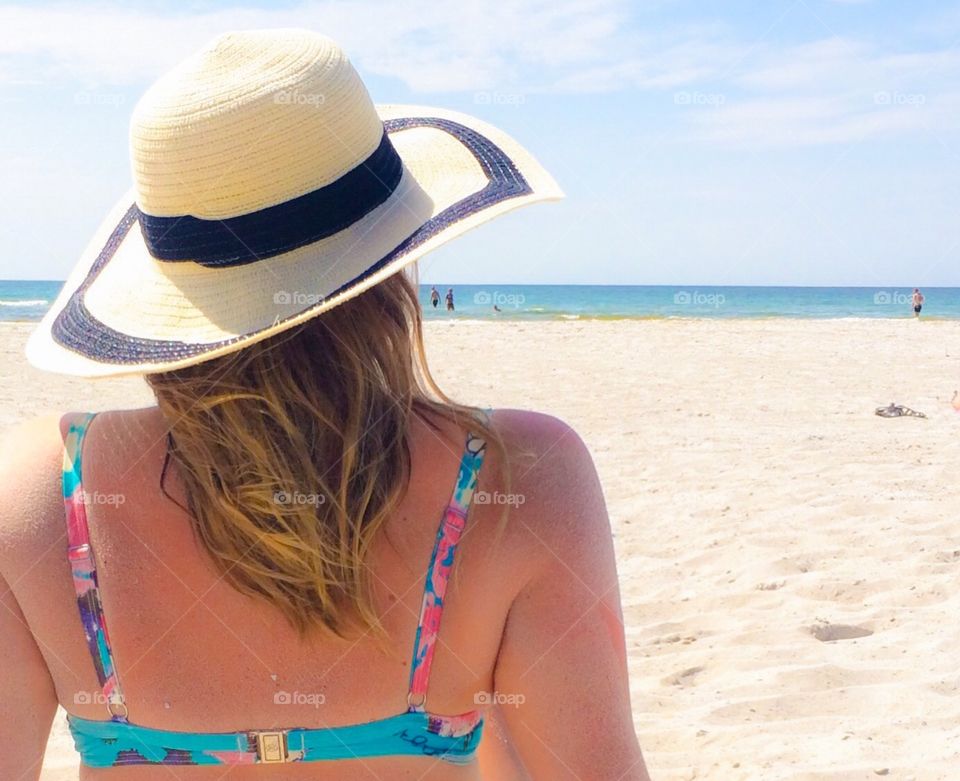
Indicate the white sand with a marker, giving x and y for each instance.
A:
(760, 509)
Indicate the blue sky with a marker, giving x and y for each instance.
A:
(801, 142)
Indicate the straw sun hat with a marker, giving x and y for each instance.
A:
(269, 189)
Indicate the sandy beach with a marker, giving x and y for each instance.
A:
(789, 561)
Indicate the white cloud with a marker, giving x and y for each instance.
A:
(816, 65)
(760, 92)
(655, 64)
(804, 121)
(833, 91)
(430, 46)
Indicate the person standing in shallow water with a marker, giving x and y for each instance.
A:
(917, 302)
(450, 306)
(434, 297)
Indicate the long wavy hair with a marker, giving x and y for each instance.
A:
(294, 451)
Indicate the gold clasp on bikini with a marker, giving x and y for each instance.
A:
(271, 747)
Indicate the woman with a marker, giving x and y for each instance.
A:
(274, 544)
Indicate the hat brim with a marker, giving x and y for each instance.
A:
(124, 312)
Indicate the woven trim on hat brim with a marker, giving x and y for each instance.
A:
(71, 340)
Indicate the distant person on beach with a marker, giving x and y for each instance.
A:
(917, 302)
(305, 552)
(450, 306)
(434, 297)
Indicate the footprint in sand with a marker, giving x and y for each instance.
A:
(829, 633)
(683, 678)
(948, 557)
(675, 638)
(771, 585)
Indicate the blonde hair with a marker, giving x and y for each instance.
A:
(294, 451)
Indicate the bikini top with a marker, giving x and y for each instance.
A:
(415, 732)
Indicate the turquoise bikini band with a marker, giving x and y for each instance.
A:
(104, 743)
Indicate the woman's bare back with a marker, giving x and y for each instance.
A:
(195, 655)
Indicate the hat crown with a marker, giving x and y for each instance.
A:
(254, 119)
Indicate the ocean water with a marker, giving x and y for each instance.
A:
(662, 301)
(28, 300)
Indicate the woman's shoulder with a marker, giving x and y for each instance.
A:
(32, 450)
(31, 453)
(31, 481)
(531, 427)
(544, 452)
(551, 478)
(31, 497)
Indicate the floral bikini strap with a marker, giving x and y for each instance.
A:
(84, 569)
(441, 562)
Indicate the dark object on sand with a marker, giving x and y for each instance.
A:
(898, 411)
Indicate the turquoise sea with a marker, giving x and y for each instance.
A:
(28, 300)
